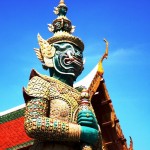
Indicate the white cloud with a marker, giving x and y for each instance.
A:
(123, 56)
(123, 52)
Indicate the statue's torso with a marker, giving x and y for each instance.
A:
(63, 105)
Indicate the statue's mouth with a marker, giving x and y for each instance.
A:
(68, 61)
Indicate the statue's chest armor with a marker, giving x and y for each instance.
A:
(63, 99)
(62, 110)
(64, 102)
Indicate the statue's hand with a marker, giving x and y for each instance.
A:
(87, 118)
(89, 135)
(89, 127)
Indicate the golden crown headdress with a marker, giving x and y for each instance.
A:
(62, 27)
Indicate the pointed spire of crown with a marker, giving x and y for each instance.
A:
(61, 9)
(62, 3)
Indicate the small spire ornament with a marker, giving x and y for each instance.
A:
(62, 3)
(58, 9)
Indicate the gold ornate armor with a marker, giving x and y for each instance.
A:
(51, 112)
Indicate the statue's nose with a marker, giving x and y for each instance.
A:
(70, 54)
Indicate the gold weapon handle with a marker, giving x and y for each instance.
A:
(84, 105)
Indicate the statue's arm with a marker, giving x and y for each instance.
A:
(39, 126)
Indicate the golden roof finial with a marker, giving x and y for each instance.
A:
(100, 66)
(99, 74)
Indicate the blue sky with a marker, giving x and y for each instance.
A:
(125, 24)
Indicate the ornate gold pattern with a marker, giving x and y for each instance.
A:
(46, 52)
(60, 109)
(59, 94)
(63, 36)
(39, 126)
(37, 87)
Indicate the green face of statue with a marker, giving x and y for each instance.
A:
(68, 59)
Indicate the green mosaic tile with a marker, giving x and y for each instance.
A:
(17, 147)
(11, 116)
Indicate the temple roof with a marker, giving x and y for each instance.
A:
(113, 138)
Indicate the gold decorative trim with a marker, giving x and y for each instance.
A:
(62, 36)
(42, 128)
(99, 74)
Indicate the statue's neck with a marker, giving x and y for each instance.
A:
(68, 79)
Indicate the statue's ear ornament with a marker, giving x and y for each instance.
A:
(46, 52)
(72, 29)
(56, 10)
(50, 27)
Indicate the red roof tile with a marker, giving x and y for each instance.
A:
(12, 133)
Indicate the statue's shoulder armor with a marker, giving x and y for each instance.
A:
(38, 86)
(42, 86)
